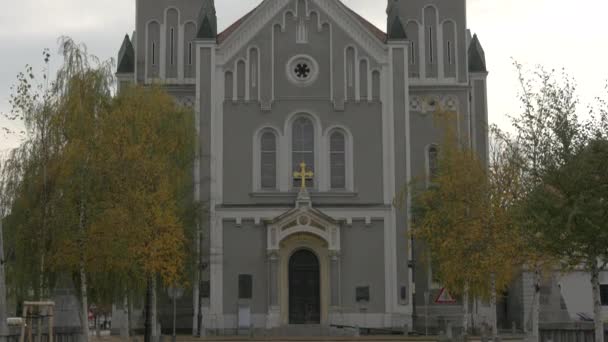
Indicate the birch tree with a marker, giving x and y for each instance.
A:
(569, 212)
(548, 132)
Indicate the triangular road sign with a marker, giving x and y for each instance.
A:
(445, 297)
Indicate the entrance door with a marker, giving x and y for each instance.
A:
(304, 288)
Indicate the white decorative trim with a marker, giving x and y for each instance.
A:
(439, 60)
(369, 78)
(235, 84)
(258, 80)
(164, 45)
(337, 213)
(251, 27)
(387, 100)
(422, 48)
(269, 9)
(354, 28)
(408, 137)
(180, 51)
(147, 62)
(456, 46)
(349, 162)
(303, 217)
(346, 71)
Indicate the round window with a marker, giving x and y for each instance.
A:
(302, 70)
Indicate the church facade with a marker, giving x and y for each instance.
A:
(311, 121)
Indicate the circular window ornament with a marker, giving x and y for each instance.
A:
(302, 70)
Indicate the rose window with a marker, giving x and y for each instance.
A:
(302, 70)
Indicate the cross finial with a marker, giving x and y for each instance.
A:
(303, 175)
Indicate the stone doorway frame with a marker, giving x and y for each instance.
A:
(318, 247)
(298, 228)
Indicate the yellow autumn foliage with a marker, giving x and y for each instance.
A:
(465, 217)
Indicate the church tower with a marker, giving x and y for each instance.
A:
(164, 39)
(436, 30)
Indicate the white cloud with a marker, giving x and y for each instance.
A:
(554, 33)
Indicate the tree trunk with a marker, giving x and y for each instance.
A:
(536, 305)
(3, 303)
(493, 317)
(465, 314)
(148, 320)
(597, 304)
(84, 314)
(154, 313)
(124, 332)
(129, 317)
(83, 274)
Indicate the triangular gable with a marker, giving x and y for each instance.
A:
(233, 38)
(294, 213)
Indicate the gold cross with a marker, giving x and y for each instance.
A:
(303, 174)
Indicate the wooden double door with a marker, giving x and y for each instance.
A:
(304, 288)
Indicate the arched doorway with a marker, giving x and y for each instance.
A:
(304, 288)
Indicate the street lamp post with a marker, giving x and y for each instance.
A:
(175, 293)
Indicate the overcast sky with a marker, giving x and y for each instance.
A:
(554, 33)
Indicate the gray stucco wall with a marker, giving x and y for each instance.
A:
(362, 264)
(242, 120)
(245, 253)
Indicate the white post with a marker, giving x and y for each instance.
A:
(3, 303)
(597, 304)
(493, 317)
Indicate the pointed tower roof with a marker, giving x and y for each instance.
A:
(207, 20)
(396, 30)
(394, 26)
(477, 57)
(126, 57)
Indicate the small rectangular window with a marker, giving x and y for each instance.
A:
(172, 43)
(604, 294)
(431, 44)
(412, 53)
(153, 53)
(362, 294)
(450, 52)
(403, 293)
(245, 286)
(205, 289)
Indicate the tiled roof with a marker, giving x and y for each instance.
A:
(221, 37)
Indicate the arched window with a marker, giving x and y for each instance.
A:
(337, 160)
(303, 147)
(433, 160)
(268, 161)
